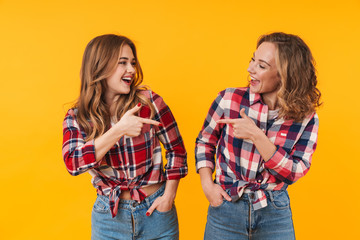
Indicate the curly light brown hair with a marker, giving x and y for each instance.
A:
(99, 62)
(298, 96)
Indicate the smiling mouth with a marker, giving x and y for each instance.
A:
(253, 81)
(127, 80)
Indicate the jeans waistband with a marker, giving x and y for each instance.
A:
(249, 195)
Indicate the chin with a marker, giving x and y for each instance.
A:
(125, 91)
(254, 90)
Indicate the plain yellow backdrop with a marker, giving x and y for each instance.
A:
(189, 51)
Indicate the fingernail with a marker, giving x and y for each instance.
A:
(147, 214)
(139, 104)
(160, 125)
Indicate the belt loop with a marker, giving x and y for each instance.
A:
(271, 196)
(147, 201)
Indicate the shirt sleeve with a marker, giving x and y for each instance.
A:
(209, 135)
(78, 155)
(169, 135)
(289, 167)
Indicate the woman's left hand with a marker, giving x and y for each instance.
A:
(162, 204)
(243, 127)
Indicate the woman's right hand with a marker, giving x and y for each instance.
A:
(131, 125)
(213, 192)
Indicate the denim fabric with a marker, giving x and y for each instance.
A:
(131, 221)
(237, 220)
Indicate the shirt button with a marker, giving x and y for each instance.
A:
(259, 181)
(135, 204)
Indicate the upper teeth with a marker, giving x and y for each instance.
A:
(127, 78)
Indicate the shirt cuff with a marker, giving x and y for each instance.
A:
(276, 159)
(88, 157)
(204, 164)
(176, 173)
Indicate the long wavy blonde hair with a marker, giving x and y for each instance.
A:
(298, 96)
(99, 62)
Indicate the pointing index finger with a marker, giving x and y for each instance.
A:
(226, 121)
(149, 121)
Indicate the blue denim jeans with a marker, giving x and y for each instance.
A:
(238, 220)
(131, 221)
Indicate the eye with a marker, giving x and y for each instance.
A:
(261, 66)
(122, 62)
(133, 63)
(252, 59)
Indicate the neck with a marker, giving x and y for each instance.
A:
(270, 100)
(111, 102)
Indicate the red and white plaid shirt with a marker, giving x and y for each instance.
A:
(132, 162)
(239, 165)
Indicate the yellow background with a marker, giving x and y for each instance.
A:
(189, 51)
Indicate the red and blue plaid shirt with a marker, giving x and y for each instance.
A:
(239, 166)
(132, 162)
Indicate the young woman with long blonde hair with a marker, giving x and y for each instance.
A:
(263, 137)
(114, 133)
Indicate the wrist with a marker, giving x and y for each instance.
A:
(171, 189)
(119, 130)
(256, 135)
(207, 184)
(169, 197)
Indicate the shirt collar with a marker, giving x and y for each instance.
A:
(254, 97)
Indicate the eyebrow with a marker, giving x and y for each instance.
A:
(262, 60)
(126, 58)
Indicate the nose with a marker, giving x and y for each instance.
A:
(251, 67)
(130, 69)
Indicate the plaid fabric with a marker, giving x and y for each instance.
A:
(239, 166)
(132, 162)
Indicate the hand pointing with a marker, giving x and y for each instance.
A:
(131, 125)
(243, 127)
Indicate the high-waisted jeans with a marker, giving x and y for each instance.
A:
(131, 221)
(237, 220)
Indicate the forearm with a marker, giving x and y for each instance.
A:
(171, 189)
(263, 144)
(104, 142)
(205, 177)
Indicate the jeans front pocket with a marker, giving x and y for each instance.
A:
(162, 225)
(167, 212)
(100, 205)
(279, 199)
(218, 206)
(223, 201)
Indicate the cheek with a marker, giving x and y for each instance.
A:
(108, 81)
(277, 79)
(274, 80)
(119, 71)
